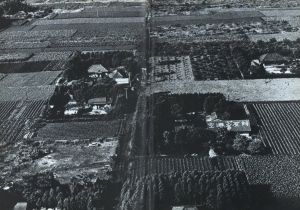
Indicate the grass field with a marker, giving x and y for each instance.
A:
(236, 90)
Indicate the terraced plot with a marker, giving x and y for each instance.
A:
(280, 126)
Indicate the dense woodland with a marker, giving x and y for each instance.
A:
(213, 190)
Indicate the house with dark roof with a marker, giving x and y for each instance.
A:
(272, 58)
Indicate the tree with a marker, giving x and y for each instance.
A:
(256, 146)
(240, 143)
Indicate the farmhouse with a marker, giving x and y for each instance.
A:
(97, 70)
(98, 102)
(272, 59)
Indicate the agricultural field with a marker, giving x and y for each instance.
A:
(279, 173)
(103, 12)
(78, 130)
(279, 126)
(29, 79)
(15, 117)
(14, 57)
(89, 20)
(209, 61)
(218, 17)
(35, 35)
(171, 68)
(26, 67)
(50, 56)
(27, 93)
(218, 31)
(144, 165)
(236, 90)
(293, 36)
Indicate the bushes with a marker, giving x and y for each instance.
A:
(252, 145)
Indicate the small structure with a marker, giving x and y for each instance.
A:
(20, 206)
(98, 102)
(239, 126)
(97, 70)
(185, 208)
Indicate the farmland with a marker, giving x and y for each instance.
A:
(29, 79)
(279, 126)
(14, 116)
(142, 166)
(280, 173)
(78, 130)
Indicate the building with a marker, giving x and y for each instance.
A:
(272, 58)
(98, 102)
(239, 126)
(97, 71)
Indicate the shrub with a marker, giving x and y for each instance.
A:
(256, 146)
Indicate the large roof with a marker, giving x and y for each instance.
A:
(272, 58)
(97, 69)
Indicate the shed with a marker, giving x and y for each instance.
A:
(20, 206)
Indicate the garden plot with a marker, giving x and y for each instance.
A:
(90, 20)
(29, 79)
(51, 56)
(79, 130)
(236, 90)
(171, 68)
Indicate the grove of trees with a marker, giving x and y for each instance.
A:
(220, 190)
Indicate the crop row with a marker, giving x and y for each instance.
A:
(14, 116)
(51, 56)
(164, 164)
(280, 126)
